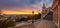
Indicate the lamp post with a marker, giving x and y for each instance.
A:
(33, 16)
(0, 12)
(33, 19)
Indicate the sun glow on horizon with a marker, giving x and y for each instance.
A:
(16, 12)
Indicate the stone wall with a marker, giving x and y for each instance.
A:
(55, 12)
(59, 14)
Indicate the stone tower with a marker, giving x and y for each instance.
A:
(43, 8)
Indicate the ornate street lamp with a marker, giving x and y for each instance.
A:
(33, 16)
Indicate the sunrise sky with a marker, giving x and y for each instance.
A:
(23, 6)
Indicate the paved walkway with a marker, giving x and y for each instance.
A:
(45, 24)
(41, 24)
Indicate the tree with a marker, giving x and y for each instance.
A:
(38, 16)
(6, 23)
(24, 19)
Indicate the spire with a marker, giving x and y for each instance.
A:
(43, 5)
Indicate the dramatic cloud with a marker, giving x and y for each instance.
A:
(22, 4)
(48, 3)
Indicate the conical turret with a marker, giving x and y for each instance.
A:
(43, 6)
